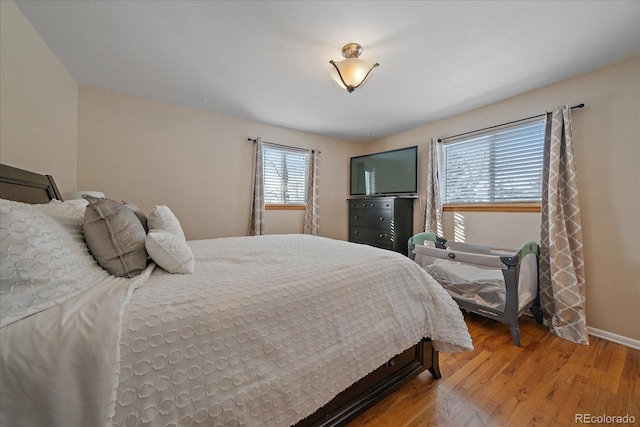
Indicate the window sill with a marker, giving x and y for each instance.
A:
(493, 207)
(285, 207)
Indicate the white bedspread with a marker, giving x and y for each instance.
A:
(57, 367)
(265, 332)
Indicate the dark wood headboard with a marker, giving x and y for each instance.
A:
(27, 187)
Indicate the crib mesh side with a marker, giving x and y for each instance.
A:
(481, 259)
(472, 277)
(527, 280)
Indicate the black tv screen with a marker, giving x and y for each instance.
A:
(388, 172)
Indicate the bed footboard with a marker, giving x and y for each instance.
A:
(377, 385)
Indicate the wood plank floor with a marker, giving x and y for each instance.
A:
(546, 382)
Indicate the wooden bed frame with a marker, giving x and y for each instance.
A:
(29, 187)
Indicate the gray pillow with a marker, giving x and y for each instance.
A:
(115, 237)
(141, 216)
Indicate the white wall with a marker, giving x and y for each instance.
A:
(500, 229)
(38, 103)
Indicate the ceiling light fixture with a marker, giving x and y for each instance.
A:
(351, 72)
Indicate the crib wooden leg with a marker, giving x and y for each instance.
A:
(515, 334)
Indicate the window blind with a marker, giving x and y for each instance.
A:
(285, 174)
(500, 166)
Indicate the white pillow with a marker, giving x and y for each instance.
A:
(161, 218)
(42, 261)
(169, 251)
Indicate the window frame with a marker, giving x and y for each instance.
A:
(488, 205)
(284, 150)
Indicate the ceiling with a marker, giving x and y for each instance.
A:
(269, 60)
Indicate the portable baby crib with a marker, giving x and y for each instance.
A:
(496, 283)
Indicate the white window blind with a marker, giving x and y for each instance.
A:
(285, 174)
(500, 166)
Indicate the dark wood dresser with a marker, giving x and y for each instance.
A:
(383, 222)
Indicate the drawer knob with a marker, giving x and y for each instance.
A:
(355, 232)
(355, 217)
(382, 235)
(381, 219)
(364, 204)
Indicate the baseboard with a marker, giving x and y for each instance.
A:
(618, 339)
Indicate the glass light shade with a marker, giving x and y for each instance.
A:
(354, 71)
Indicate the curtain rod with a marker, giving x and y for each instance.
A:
(497, 126)
(284, 146)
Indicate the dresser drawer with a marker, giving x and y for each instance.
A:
(381, 238)
(371, 218)
(371, 204)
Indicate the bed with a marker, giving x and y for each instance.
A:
(269, 330)
(498, 283)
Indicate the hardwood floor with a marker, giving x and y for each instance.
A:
(546, 382)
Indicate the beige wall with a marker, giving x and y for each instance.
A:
(501, 229)
(196, 162)
(38, 102)
(607, 148)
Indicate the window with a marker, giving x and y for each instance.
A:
(500, 166)
(285, 175)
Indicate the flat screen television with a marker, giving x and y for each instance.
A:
(385, 173)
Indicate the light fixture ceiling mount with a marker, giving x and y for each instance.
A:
(351, 72)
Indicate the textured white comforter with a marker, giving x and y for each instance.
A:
(265, 332)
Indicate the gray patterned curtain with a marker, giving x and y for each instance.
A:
(562, 279)
(433, 205)
(312, 214)
(256, 226)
